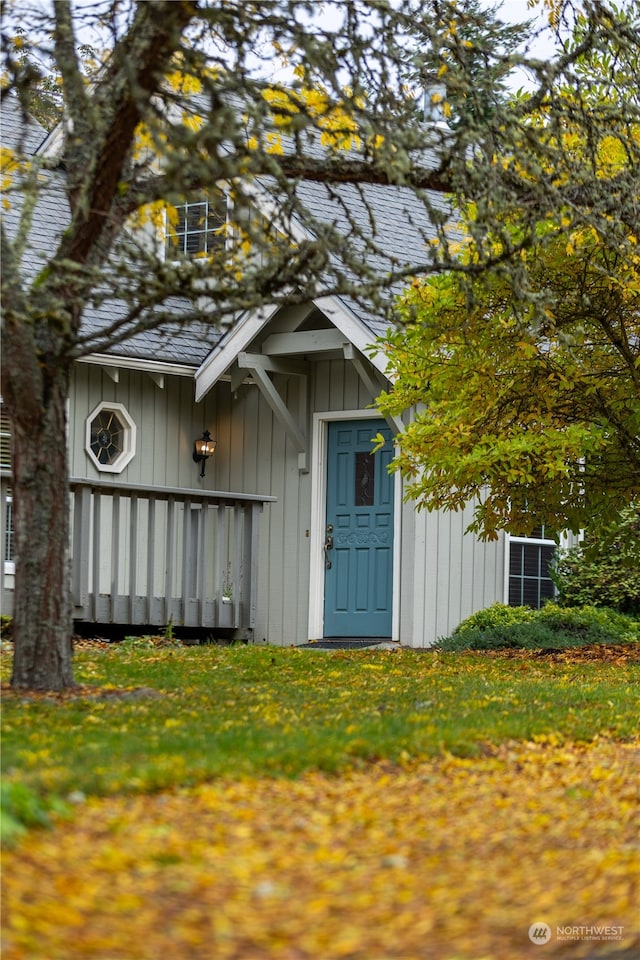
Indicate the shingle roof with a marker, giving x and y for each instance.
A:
(393, 217)
(19, 131)
(173, 343)
(24, 135)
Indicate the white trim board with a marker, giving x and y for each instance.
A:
(354, 329)
(238, 339)
(154, 367)
(248, 327)
(319, 433)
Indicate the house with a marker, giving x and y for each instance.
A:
(282, 526)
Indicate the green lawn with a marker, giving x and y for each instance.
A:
(279, 712)
(260, 803)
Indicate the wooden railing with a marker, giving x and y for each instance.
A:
(154, 555)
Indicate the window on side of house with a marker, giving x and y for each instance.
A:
(110, 438)
(8, 554)
(198, 227)
(8, 530)
(5, 440)
(529, 559)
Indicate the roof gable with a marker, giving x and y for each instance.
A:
(393, 220)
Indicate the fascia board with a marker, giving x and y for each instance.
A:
(134, 363)
(236, 341)
(352, 328)
(53, 144)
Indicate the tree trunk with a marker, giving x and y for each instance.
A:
(42, 614)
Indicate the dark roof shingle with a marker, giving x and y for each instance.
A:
(393, 219)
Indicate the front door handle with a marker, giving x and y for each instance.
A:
(328, 545)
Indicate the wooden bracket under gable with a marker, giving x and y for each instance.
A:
(260, 366)
(303, 342)
(371, 382)
(158, 378)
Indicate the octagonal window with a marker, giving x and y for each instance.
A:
(110, 437)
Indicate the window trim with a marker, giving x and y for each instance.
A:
(8, 555)
(5, 438)
(171, 252)
(531, 541)
(129, 437)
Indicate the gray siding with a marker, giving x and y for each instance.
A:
(167, 422)
(445, 573)
(283, 588)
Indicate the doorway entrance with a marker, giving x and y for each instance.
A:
(358, 588)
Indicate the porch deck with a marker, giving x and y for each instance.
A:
(151, 555)
(144, 555)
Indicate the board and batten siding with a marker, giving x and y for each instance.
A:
(445, 574)
(167, 422)
(253, 455)
(285, 542)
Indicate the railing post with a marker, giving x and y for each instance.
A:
(170, 543)
(238, 527)
(81, 534)
(133, 559)
(95, 564)
(203, 555)
(151, 552)
(251, 530)
(115, 555)
(188, 571)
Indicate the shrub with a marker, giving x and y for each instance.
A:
(496, 616)
(604, 571)
(589, 624)
(495, 627)
(501, 628)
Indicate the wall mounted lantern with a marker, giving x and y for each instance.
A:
(202, 450)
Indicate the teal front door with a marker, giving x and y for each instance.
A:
(359, 531)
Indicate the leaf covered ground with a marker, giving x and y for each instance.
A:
(446, 847)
